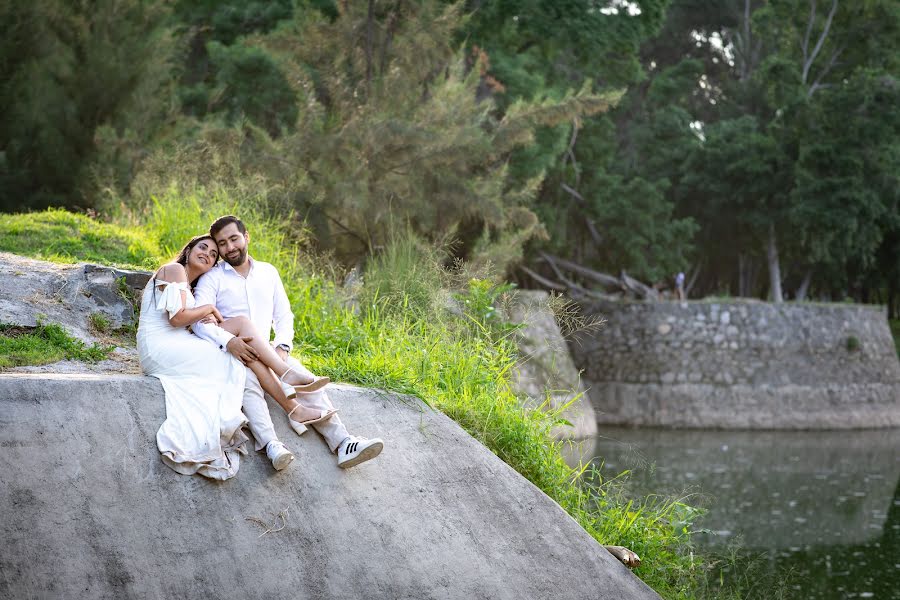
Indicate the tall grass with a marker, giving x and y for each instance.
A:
(405, 333)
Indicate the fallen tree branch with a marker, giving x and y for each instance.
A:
(623, 283)
(543, 280)
(597, 276)
(638, 288)
(572, 289)
(626, 556)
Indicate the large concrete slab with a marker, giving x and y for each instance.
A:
(89, 510)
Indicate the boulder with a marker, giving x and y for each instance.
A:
(66, 294)
(90, 511)
(545, 369)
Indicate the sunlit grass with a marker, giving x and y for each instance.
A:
(66, 237)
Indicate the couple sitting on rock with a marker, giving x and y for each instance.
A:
(225, 363)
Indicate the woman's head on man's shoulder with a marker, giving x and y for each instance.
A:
(200, 252)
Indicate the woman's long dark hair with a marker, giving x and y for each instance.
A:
(183, 255)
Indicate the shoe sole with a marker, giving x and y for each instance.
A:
(283, 461)
(367, 454)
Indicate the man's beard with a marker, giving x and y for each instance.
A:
(242, 257)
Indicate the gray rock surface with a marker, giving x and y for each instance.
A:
(545, 370)
(65, 294)
(89, 510)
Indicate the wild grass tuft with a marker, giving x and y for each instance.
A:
(99, 322)
(44, 344)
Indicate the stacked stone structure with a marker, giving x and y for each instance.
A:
(741, 364)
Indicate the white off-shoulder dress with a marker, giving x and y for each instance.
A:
(204, 388)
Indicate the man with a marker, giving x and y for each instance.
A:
(242, 286)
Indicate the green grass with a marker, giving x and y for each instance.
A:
(62, 236)
(99, 322)
(44, 344)
(402, 338)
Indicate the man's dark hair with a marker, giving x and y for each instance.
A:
(223, 222)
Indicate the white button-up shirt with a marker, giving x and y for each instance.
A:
(260, 297)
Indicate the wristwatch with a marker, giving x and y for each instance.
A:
(284, 347)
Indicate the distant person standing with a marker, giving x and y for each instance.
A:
(679, 286)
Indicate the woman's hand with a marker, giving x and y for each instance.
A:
(212, 313)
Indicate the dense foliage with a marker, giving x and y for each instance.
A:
(755, 146)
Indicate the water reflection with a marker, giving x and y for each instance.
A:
(823, 505)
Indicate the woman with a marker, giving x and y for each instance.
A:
(204, 386)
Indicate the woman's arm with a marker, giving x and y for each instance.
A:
(175, 273)
(189, 316)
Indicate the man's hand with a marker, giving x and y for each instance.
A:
(281, 352)
(240, 349)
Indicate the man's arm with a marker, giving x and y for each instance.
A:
(282, 317)
(205, 293)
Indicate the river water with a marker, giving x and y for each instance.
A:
(817, 512)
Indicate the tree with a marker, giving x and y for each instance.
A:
(786, 89)
(392, 133)
(71, 70)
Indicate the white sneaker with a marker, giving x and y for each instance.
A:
(355, 450)
(280, 456)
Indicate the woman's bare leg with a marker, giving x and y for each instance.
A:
(242, 327)
(268, 359)
(271, 387)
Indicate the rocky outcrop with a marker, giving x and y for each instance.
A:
(90, 511)
(66, 294)
(545, 371)
(742, 364)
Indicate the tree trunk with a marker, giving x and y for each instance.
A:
(774, 267)
(804, 286)
(370, 37)
(692, 280)
(748, 272)
(892, 304)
